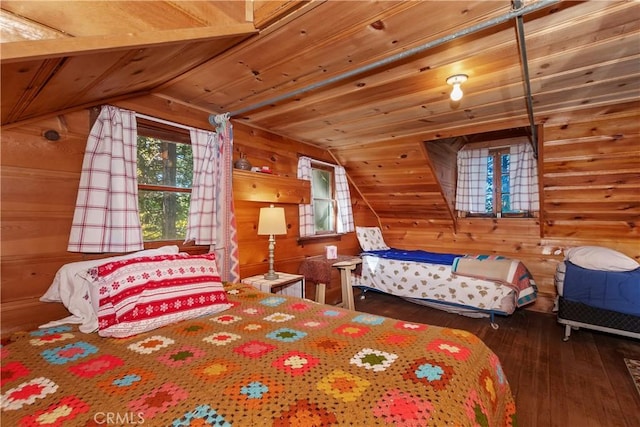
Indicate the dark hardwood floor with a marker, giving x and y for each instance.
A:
(582, 382)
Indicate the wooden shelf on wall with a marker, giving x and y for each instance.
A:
(262, 187)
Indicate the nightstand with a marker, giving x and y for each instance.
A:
(285, 284)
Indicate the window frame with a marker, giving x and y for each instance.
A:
(497, 154)
(169, 134)
(334, 204)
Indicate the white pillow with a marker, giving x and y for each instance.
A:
(75, 273)
(71, 287)
(370, 239)
(600, 258)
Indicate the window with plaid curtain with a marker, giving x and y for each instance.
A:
(344, 220)
(472, 188)
(107, 218)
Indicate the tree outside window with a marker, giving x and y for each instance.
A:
(165, 171)
(498, 184)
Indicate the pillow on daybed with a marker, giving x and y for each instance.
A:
(141, 294)
(600, 258)
(70, 286)
(370, 239)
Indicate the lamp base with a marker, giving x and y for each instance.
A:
(271, 276)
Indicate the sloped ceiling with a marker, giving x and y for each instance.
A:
(363, 79)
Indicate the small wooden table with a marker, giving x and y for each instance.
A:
(346, 267)
(318, 270)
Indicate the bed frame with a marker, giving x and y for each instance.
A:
(575, 315)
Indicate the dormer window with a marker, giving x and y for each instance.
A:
(497, 182)
(490, 174)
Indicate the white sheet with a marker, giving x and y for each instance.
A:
(415, 280)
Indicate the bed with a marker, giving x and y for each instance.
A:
(471, 285)
(263, 359)
(599, 289)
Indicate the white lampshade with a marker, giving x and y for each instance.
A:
(272, 221)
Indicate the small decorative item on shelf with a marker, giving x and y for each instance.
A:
(331, 252)
(263, 169)
(242, 163)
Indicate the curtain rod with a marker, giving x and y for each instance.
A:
(538, 5)
(320, 161)
(164, 122)
(323, 163)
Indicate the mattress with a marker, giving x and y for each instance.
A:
(617, 291)
(434, 282)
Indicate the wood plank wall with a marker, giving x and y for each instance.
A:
(590, 177)
(39, 185)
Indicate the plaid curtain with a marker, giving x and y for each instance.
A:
(523, 177)
(305, 211)
(106, 217)
(207, 159)
(345, 212)
(472, 180)
(212, 211)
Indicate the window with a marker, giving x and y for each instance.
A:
(497, 181)
(489, 174)
(498, 189)
(165, 171)
(329, 211)
(323, 200)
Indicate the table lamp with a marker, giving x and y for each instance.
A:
(271, 222)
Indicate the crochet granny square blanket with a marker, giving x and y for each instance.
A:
(269, 360)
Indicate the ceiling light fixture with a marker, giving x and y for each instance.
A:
(455, 81)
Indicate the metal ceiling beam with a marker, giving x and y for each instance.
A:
(533, 136)
(538, 5)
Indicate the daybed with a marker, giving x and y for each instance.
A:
(472, 285)
(598, 289)
(258, 360)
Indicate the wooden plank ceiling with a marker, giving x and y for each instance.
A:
(318, 71)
